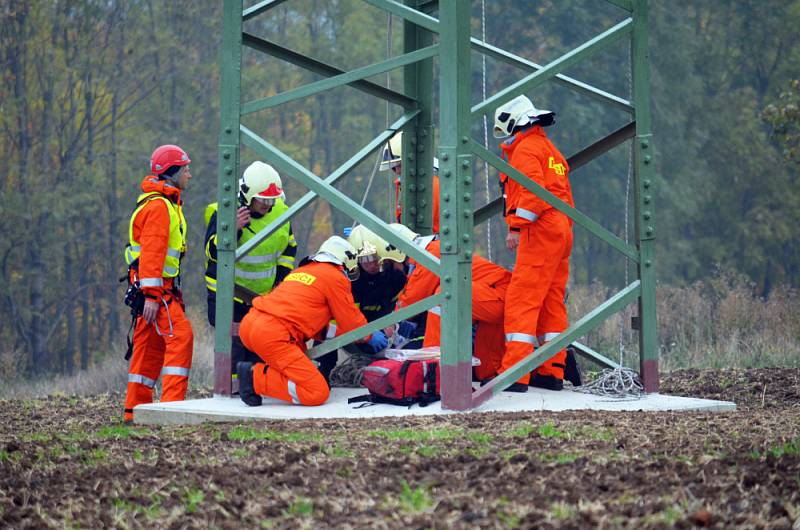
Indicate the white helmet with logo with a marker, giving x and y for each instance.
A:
(260, 181)
(517, 113)
(337, 250)
(365, 241)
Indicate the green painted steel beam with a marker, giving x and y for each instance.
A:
(417, 149)
(644, 193)
(259, 8)
(380, 323)
(561, 79)
(321, 68)
(576, 215)
(227, 178)
(587, 353)
(535, 79)
(578, 160)
(339, 80)
(583, 326)
(289, 167)
(407, 13)
(310, 196)
(456, 203)
(627, 5)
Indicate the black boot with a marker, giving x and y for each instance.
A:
(572, 372)
(546, 381)
(246, 391)
(514, 387)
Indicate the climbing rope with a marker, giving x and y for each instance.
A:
(388, 110)
(620, 382)
(485, 131)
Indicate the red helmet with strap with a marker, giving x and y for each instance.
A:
(166, 156)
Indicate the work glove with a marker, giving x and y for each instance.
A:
(377, 342)
(406, 329)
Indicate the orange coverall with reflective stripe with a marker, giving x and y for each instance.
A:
(156, 349)
(398, 208)
(279, 323)
(489, 283)
(535, 311)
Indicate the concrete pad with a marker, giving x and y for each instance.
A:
(233, 410)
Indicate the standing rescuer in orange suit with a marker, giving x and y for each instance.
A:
(489, 284)
(535, 311)
(279, 324)
(392, 159)
(162, 338)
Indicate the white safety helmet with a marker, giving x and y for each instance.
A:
(391, 253)
(337, 250)
(260, 181)
(403, 231)
(366, 242)
(516, 113)
(393, 154)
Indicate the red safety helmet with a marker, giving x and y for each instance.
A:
(166, 156)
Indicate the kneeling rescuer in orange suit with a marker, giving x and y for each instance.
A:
(163, 338)
(278, 325)
(535, 311)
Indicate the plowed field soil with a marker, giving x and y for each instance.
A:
(68, 462)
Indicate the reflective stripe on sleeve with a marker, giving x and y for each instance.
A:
(265, 258)
(142, 380)
(152, 282)
(292, 387)
(331, 333)
(526, 214)
(522, 337)
(255, 275)
(173, 253)
(285, 261)
(175, 370)
(171, 270)
(548, 337)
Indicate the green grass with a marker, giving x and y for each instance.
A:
(562, 510)
(521, 431)
(95, 456)
(338, 451)
(36, 437)
(300, 508)
(790, 448)
(13, 456)
(427, 451)
(120, 431)
(417, 435)
(414, 500)
(549, 430)
(194, 497)
(560, 458)
(152, 512)
(243, 434)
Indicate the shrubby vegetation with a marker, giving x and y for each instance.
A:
(89, 88)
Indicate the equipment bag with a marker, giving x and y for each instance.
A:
(134, 299)
(401, 382)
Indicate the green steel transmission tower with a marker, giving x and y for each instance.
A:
(441, 30)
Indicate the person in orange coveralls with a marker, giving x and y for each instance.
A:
(535, 311)
(489, 284)
(278, 325)
(163, 338)
(392, 159)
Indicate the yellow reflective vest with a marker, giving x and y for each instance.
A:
(176, 244)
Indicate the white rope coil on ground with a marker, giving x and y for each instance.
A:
(615, 382)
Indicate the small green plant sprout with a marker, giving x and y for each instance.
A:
(194, 497)
(300, 508)
(414, 500)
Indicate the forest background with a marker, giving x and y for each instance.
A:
(88, 88)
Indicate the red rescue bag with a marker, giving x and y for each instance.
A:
(401, 382)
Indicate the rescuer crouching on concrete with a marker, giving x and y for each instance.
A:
(375, 291)
(261, 200)
(280, 323)
(162, 337)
